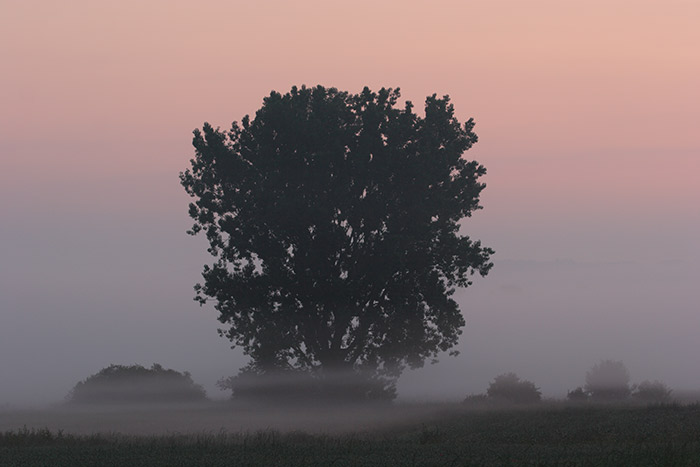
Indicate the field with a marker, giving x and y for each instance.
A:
(438, 435)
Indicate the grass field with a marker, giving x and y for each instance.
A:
(551, 434)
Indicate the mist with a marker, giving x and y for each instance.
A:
(548, 321)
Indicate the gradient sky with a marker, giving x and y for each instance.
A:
(587, 114)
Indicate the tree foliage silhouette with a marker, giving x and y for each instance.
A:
(334, 219)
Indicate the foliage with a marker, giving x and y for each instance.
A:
(608, 380)
(137, 384)
(652, 391)
(578, 395)
(510, 388)
(334, 219)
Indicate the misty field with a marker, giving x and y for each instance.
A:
(449, 435)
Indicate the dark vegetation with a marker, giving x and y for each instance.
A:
(509, 387)
(120, 384)
(550, 435)
(504, 391)
(334, 222)
(608, 381)
(578, 395)
(652, 391)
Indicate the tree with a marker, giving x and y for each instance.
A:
(510, 388)
(608, 380)
(137, 384)
(334, 219)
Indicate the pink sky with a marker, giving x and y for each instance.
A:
(568, 96)
(587, 112)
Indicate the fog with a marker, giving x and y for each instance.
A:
(548, 321)
(220, 417)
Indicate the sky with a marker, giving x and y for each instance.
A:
(587, 115)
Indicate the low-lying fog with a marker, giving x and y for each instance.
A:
(547, 321)
(218, 417)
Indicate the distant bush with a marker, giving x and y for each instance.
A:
(652, 391)
(608, 380)
(137, 384)
(510, 388)
(577, 395)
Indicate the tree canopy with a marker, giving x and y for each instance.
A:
(334, 221)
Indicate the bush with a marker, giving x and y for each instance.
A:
(652, 391)
(608, 380)
(577, 395)
(137, 384)
(508, 387)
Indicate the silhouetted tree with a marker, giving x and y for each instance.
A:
(608, 380)
(137, 384)
(334, 219)
(510, 388)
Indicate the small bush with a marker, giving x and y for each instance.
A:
(577, 395)
(510, 388)
(652, 391)
(137, 384)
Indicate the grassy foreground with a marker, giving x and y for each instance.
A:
(549, 435)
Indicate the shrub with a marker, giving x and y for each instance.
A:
(577, 395)
(137, 384)
(510, 388)
(652, 391)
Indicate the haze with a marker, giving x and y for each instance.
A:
(587, 115)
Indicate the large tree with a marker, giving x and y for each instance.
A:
(334, 219)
